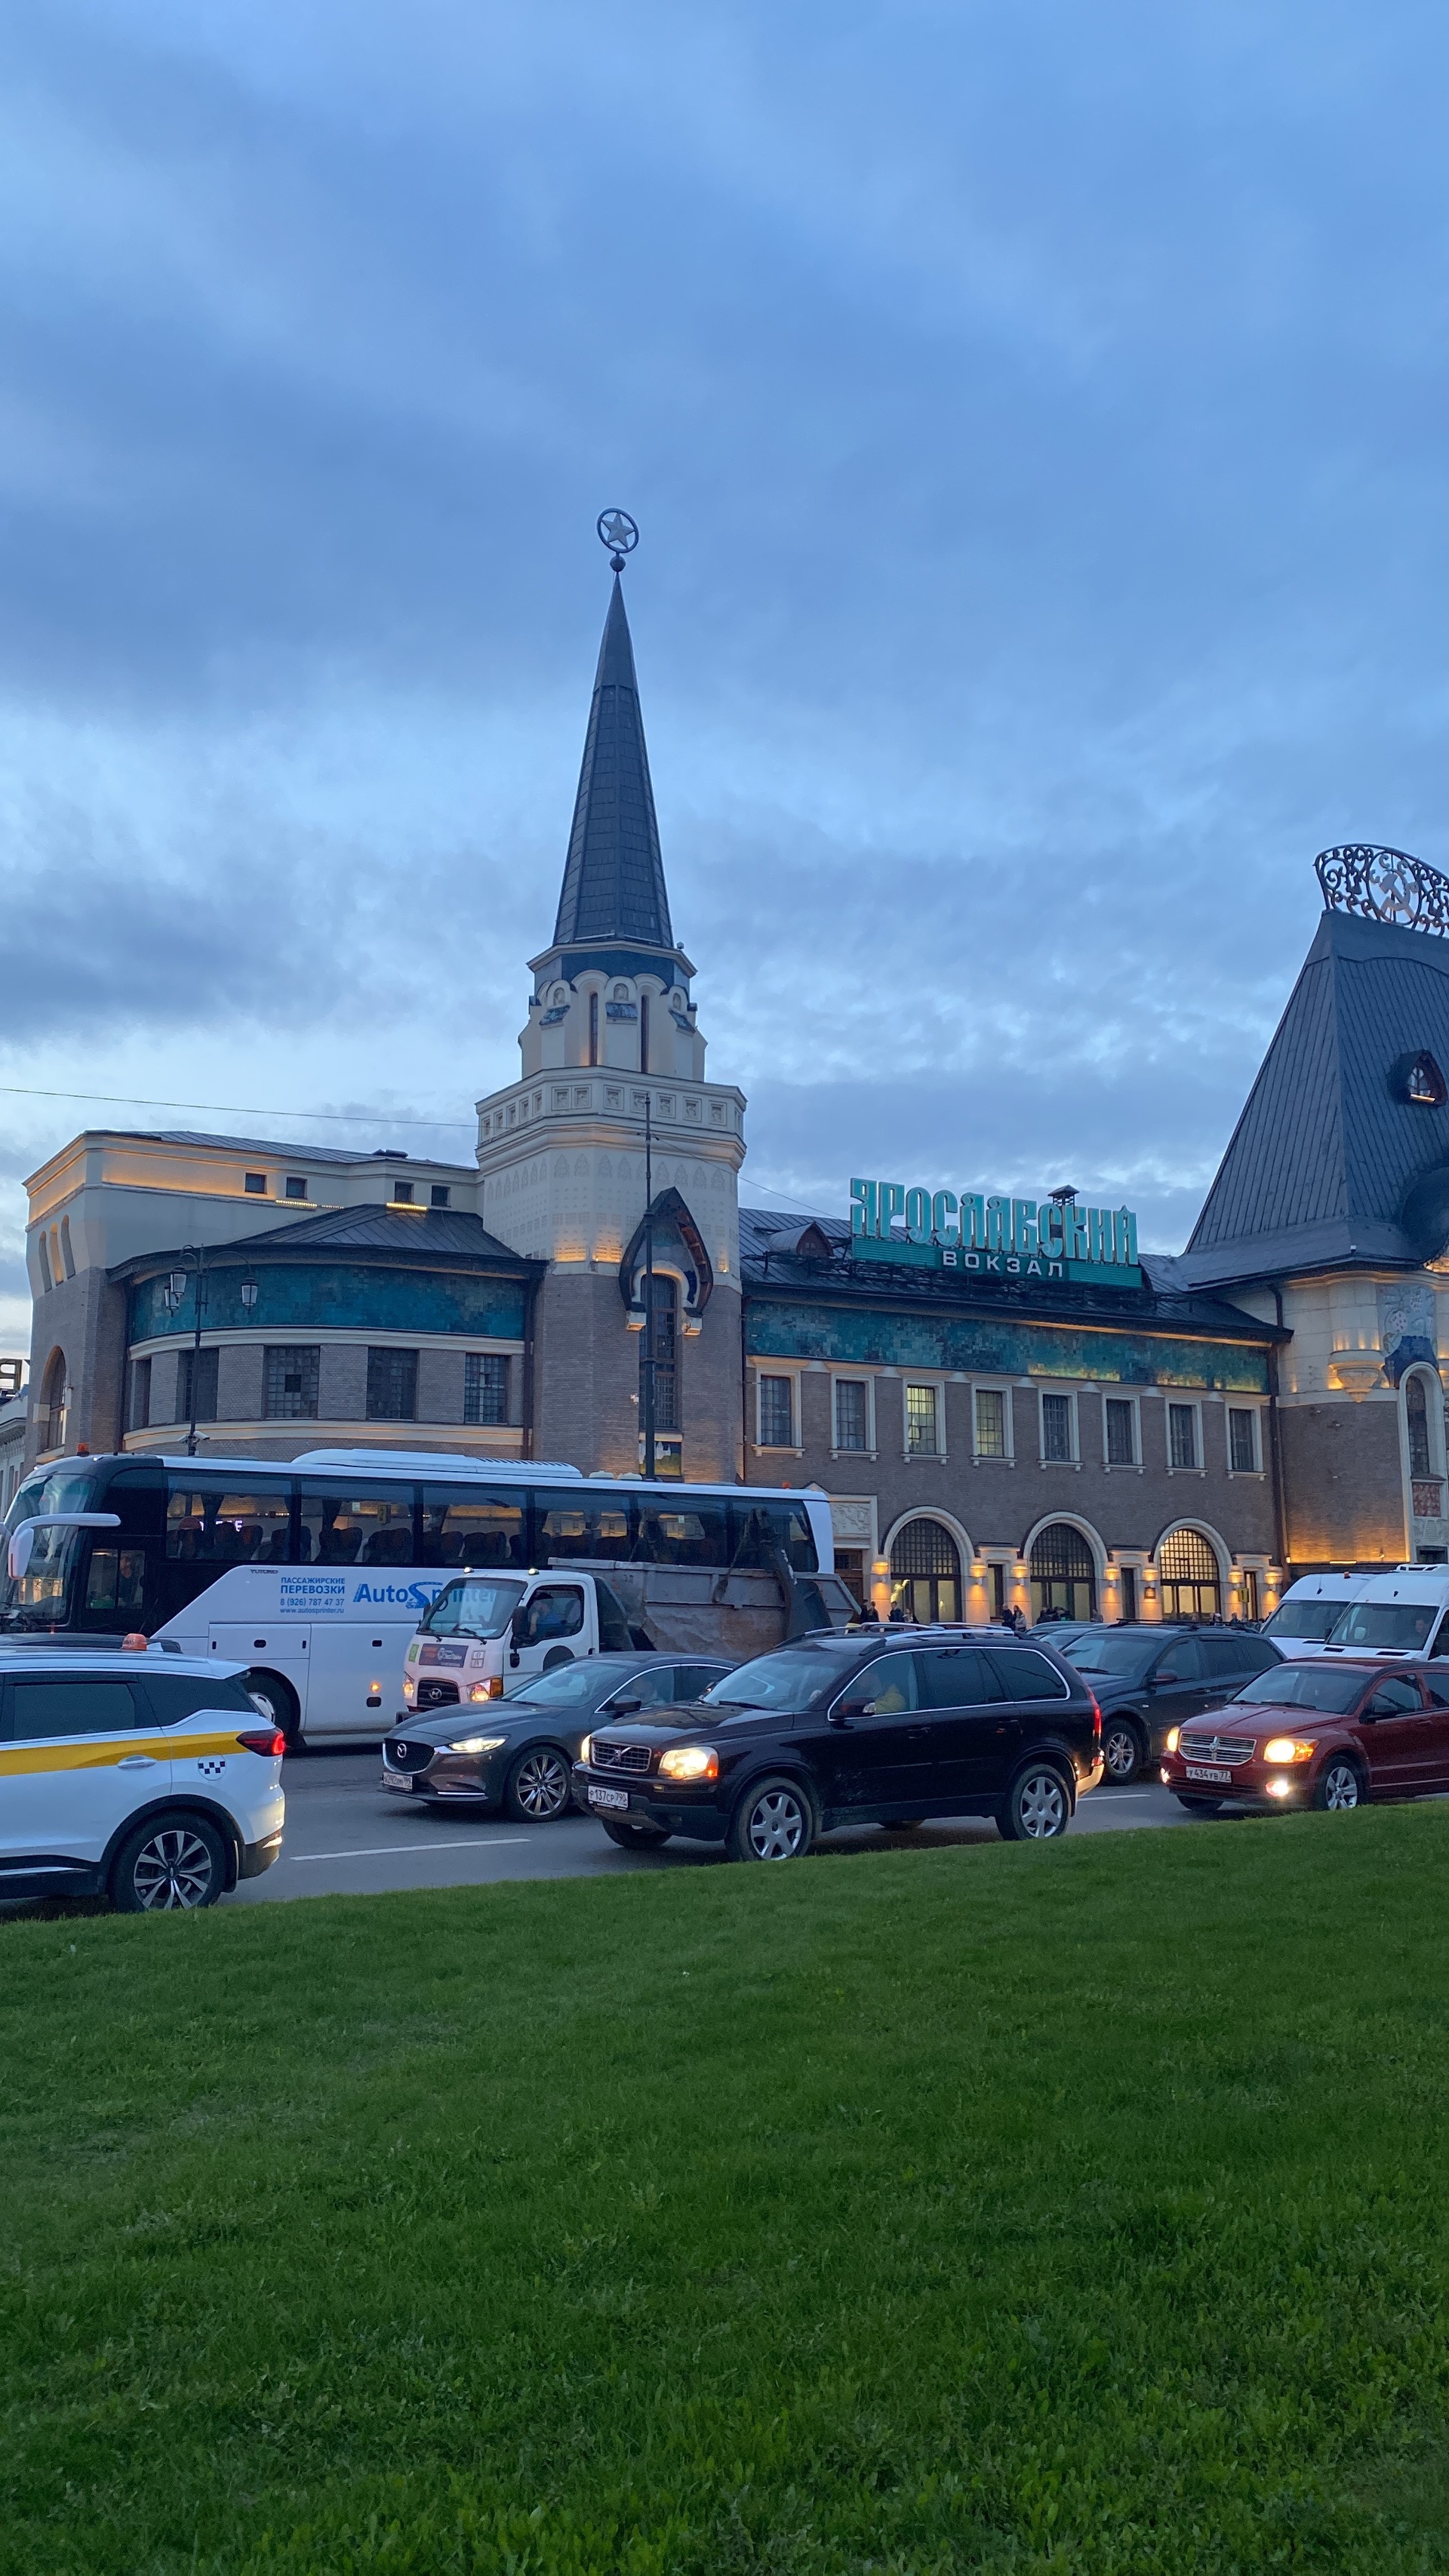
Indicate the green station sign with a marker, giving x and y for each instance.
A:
(993, 1237)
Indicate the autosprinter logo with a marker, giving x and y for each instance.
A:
(1051, 1238)
(400, 1596)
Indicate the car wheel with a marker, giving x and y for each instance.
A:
(1199, 1806)
(276, 1701)
(773, 1821)
(1037, 1807)
(1340, 1784)
(1122, 1750)
(540, 1786)
(171, 1864)
(633, 1837)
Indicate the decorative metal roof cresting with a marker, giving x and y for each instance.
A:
(1384, 885)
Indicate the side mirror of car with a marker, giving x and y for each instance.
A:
(1379, 1706)
(623, 1707)
(850, 1709)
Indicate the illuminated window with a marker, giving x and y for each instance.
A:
(1063, 1573)
(922, 1436)
(990, 1422)
(925, 1573)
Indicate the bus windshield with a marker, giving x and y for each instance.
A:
(42, 1597)
(64, 1489)
(478, 1605)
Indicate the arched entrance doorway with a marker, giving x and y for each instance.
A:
(1063, 1574)
(1188, 1579)
(925, 1573)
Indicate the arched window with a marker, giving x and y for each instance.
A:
(925, 1573)
(1421, 1462)
(1187, 1577)
(1063, 1574)
(52, 1399)
(658, 1344)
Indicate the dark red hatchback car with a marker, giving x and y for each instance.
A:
(1315, 1735)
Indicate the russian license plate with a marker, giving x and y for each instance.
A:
(1224, 1779)
(396, 1779)
(607, 1797)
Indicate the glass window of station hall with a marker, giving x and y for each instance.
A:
(1182, 1445)
(990, 1416)
(290, 1382)
(658, 1352)
(925, 1572)
(1063, 1574)
(485, 1387)
(392, 1386)
(1243, 1439)
(1187, 1577)
(1056, 1430)
(923, 1422)
(1121, 1416)
(777, 1413)
(852, 1421)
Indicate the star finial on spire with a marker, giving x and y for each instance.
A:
(619, 533)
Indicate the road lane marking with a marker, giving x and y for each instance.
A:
(384, 1851)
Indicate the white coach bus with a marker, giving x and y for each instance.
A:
(314, 1573)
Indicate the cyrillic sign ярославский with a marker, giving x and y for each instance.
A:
(1030, 1238)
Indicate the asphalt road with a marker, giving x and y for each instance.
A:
(347, 1835)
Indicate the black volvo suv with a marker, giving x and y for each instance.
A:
(885, 1727)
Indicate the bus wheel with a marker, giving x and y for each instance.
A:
(276, 1699)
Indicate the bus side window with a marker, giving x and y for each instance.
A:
(475, 1525)
(760, 1528)
(356, 1528)
(692, 1534)
(587, 1526)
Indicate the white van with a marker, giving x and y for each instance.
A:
(1310, 1609)
(1402, 1613)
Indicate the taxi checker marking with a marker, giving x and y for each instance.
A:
(93, 1755)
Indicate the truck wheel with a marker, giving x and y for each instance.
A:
(170, 1864)
(276, 1700)
(633, 1837)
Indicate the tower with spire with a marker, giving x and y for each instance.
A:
(612, 1046)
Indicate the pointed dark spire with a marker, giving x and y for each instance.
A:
(613, 886)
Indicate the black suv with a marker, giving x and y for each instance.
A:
(1148, 1679)
(884, 1727)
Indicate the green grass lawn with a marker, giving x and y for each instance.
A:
(1080, 2208)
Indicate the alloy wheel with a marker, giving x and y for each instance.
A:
(1120, 1753)
(776, 1828)
(541, 1787)
(1340, 1785)
(1041, 1804)
(173, 1870)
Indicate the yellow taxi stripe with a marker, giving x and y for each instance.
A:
(102, 1754)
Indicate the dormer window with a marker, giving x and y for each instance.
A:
(1424, 1084)
(255, 1185)
(402, 1190)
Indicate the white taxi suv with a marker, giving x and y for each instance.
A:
(147, 1777)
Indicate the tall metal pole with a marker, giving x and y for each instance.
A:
(196, 1248)
(648, 1387)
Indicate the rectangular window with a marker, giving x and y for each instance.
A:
(1182, 1435)
(922, 1439)
(463, 1527)
(777, 1413)
(1243, 1439)
(290, 1391)
(402, 1190)
(295, 1186)
(1056, 1429)
(392, 1386)
(210, 1526)
(255, 1185)
(850, 1413)
(485, 1387)
(438, 1195)
(990, 1422)
(1121, 1431)
(356, 1528)
(198, 1368)
(140, 1394)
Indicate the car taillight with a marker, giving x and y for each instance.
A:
(266, 1740)
(1096, 1717)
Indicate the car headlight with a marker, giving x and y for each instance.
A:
(1287, 1748)
(586, 1748)
(1173, 1733)
(689, 1762)
(477, 1743)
